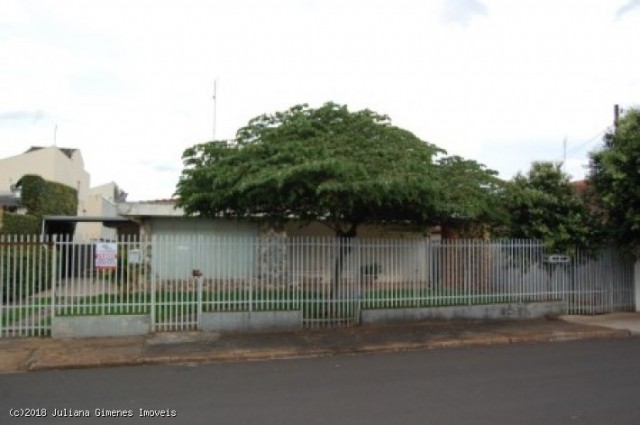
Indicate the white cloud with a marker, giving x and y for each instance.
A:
(130, 83)
(463, 11)
(12, 13)
(631, 5)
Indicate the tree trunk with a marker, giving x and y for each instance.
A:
(345, 240)
(466, 266)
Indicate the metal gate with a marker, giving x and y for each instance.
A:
(176, 283)
(192, 277)
(327, 273)
(602, 283)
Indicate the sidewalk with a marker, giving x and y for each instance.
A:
(31, 354)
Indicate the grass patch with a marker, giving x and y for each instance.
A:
(313, 304)
(176, 304)
(104, 304)
(14, 314)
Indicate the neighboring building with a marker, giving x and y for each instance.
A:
(101, 202)
(65, 166)
(61, 165)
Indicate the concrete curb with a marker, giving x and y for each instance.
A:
(559, 336)
(238, 355)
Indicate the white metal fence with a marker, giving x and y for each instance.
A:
(175, 279)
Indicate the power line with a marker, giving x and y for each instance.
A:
(571, 152)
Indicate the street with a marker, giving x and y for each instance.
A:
(585, 382)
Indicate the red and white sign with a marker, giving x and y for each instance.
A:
(106, 255)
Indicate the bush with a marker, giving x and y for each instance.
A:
(41, 197)
(25, 268)
(19, 224)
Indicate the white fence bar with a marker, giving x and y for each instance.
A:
(25, 278)
(176, 279)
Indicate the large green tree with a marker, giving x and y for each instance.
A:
(335, 166)
(328, 164)
(615, 179)
(543, 204)
(468, 198)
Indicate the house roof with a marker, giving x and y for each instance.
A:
(167, 201)
(67, 151)
(580, 186)
(116, 222)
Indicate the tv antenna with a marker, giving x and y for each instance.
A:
(564, 154)
(215, 100)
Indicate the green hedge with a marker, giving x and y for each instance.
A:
(42, 197)
(19, 224)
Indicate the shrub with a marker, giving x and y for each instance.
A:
(19, 224)
(25, 267)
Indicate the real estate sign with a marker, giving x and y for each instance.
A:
(106, 255)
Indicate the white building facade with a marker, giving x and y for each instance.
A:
(65, 166)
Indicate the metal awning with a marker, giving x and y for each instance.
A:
(114, 222)
(86, 219)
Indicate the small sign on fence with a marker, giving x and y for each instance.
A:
(134, 256)
(558, 259)
(106, 256)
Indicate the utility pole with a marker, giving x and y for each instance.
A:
(55, 134)
(616, 116)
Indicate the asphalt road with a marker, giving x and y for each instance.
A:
(587, 382)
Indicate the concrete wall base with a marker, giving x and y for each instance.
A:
(244, 321)
(100, 326)
(480, 312)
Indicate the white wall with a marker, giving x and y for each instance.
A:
(100, 202)
(219, 248)
(50, 164)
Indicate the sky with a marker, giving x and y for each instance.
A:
(130, 82)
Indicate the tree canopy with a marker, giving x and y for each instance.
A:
(332, 165)
(468, 198)
(615, 179)
(544, 205)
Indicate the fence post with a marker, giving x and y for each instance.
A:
(357, 282)
(636, 284)
(198, 253)
(54, 276)
(2, 283)
(199, 312)
(153, 278)
(250, 296)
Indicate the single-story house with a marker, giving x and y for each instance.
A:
(224, 247)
